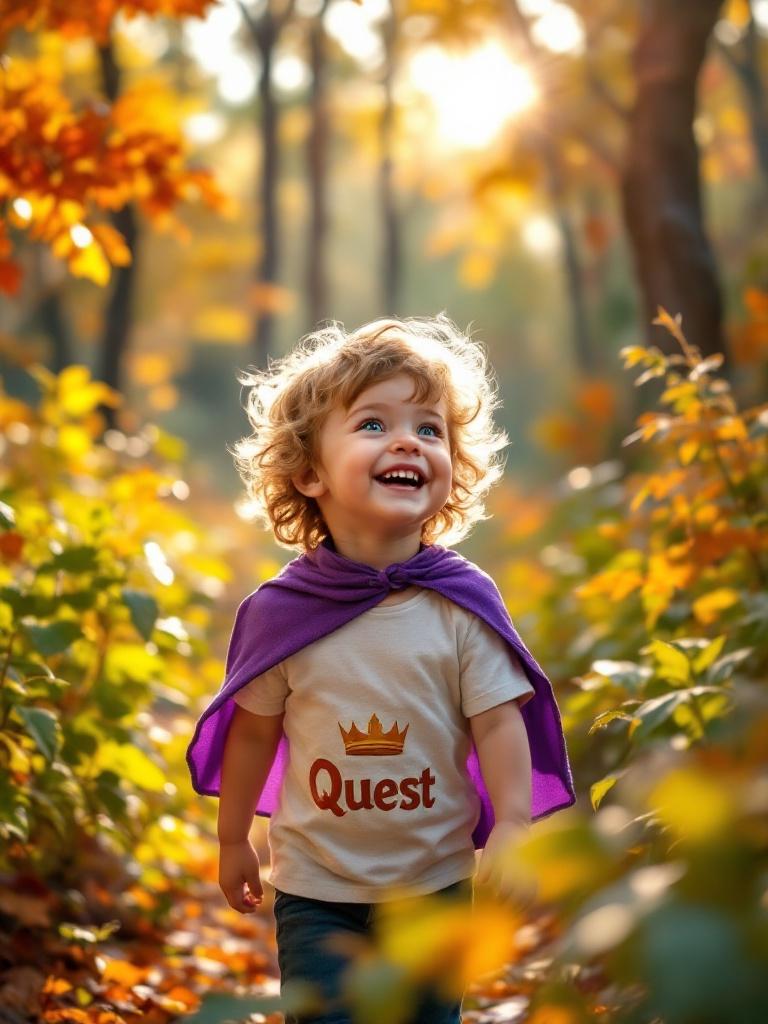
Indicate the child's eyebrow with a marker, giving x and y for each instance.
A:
(386, 405)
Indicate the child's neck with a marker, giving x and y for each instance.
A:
(375, 552)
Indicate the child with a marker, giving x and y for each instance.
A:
(378, 701)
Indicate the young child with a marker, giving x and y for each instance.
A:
(378, 701)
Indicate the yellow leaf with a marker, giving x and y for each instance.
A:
(18, 760)
(707, 608)
(124, 972)
(677, 390)
(672, 324)
(737, 12)
(734, 429)
(90, 263)
(695, 806)
(712, 651)
(688, 451)
(633, 354)
(113, 244)
(673, 664)
(74, 441)
(78, 394)
(598, 790)
(131, 764)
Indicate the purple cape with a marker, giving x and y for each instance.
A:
(321, 590)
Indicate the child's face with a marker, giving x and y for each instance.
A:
(357, 445)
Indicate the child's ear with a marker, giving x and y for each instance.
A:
(308, 483)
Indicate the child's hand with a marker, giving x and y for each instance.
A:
(498, 871)
(239, 876)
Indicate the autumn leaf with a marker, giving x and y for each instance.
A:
(707, 609)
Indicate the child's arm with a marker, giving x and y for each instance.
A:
(501, 740)
(248, 755)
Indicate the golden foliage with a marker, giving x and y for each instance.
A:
(59, 167)
(94, 18)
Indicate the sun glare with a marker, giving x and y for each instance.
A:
(473, 94)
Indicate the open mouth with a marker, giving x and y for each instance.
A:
(401, 483)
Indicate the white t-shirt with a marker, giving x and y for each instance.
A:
(376, 796)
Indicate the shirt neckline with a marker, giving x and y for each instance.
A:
(389, 609)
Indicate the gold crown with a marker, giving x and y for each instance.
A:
(374, 741)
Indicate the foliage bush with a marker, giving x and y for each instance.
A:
(652, 900)
(106, 587)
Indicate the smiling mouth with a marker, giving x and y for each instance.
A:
(395, 486)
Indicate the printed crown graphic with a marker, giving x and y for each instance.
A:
(375, 741)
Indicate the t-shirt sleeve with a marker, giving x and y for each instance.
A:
(491, 672)
(265, 694)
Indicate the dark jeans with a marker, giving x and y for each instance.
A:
(303, 927)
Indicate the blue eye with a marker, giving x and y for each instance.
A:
(430, 426)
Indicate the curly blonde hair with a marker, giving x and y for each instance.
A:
(288, 403)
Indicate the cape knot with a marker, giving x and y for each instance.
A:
(396, 577)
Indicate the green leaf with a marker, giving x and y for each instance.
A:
(143, 608)
(725, 667)
(653, 713)
(42, 725)
(110, 795)
(79, 599)
(51, 812)
(627, 674)
(673, 664)
(22, 604)
(81, 558)
(111, 703)
(54, 638)
(7, 516)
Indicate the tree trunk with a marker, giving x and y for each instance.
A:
(119, 311)
(392, 245)
(119, 316)
(317, 144)
(661, 185)
(744, 59)
(544, 140)
(571, 261)
(55, 325)
(266, 272)
(49, 311)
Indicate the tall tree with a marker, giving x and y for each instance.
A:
(265, 29)
(661, 185)
(391, 254)
(546, 142)
(744, 60)
(118, 316)
(317, 168)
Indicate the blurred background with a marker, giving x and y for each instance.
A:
(187, 188)
(495, 160)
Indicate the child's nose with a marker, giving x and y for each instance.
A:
(406, 437)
